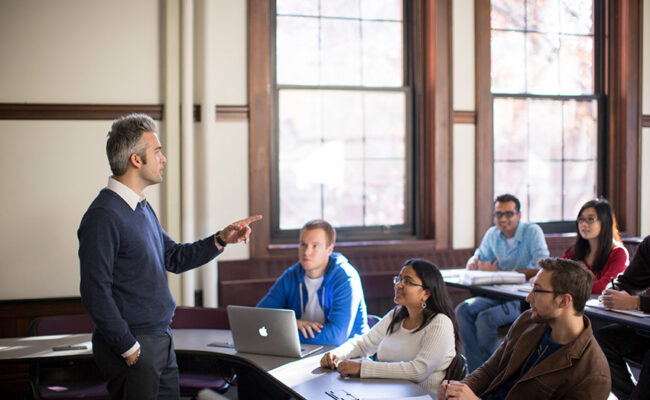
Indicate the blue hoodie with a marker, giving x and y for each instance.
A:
(340, 296)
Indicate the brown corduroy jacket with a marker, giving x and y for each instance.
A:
(578, 370)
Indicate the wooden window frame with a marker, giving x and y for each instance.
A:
(432, 155)
(618, 149)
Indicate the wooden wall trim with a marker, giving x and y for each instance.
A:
(463, 117)
(438, 95)
(645, 121)
(19, 111)
(259, 95)
(624, 111)
(484, 140)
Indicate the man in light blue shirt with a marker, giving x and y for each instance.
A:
(509, 245)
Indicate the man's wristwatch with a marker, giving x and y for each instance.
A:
(219, 240)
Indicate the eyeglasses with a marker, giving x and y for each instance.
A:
(536, 291)
(507, 214)
(397, 279)
(589, 220)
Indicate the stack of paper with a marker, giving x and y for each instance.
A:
(474, 277)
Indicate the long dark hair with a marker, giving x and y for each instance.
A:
(608, 233)
(438, 301)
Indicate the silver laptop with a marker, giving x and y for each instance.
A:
(267, 331)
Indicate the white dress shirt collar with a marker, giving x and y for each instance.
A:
(126, 193)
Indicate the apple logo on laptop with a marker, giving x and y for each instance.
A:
(263, 331)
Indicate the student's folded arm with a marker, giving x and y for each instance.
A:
(439, 336)
(366, 344)
(616, 263)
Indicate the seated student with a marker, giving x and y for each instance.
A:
(598, 243)
(620, 342)
(416, 340)
(508, 245)
(323, 289)
(550, 351)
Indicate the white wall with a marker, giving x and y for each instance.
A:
(464, 135)
(103, 52)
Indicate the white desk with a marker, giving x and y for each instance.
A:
(303, 377)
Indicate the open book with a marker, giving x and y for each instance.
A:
(595, 303)
(474, 277)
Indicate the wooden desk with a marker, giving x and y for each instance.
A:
(515, 292)
(302, 378)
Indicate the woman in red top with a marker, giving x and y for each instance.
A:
(598, 243)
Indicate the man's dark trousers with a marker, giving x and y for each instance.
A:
(154, 376)
(621, 342)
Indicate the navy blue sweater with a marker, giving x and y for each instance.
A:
(123, 256)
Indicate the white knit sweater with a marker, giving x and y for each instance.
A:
(421, 357)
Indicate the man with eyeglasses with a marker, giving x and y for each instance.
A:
(508, 245)
(550, 351)
(621, 342)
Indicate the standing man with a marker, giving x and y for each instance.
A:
(620, 342)
(508, 245)
(124, 254)
(550, 351)
(323, 289)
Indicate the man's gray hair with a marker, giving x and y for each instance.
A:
(124, 140)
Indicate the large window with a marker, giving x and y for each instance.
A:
(342, 121)
(545, 104)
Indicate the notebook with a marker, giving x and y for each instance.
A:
(268, 331)
(474, 277)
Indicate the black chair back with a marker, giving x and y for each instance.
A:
(457, 370)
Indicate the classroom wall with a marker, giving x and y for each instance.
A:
(80, 51)
(464, 135)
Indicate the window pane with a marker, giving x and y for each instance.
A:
(545, 188)
(300, 199)
(577, 65)
(381, 9)
(384, 116)
(545, 122)
(542, 16)
(297, 7)
(343, 204)
(580, 186)
(510, 118)
(299, 122)
(512, 177)
(507, 65)
(350, 164)
(576, 16)
(542, 64)
(383, 47)
(507, 14)
(339, 8)
(297, 50)
(344, 122)
(580, 130)
(340, 52)
(385, 202)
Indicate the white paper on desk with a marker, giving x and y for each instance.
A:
(474, 277)
(595, 303)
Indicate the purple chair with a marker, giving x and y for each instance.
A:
(198, 371)
(73, 379)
